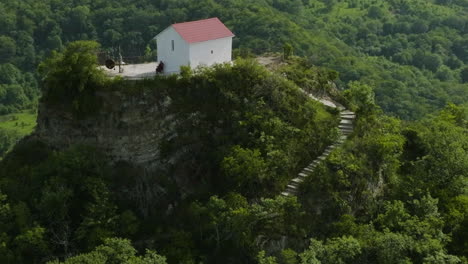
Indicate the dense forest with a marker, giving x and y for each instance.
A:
(414, 53)
(395, 192)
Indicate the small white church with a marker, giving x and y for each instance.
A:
(203, 42)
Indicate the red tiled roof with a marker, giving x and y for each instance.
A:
(202, 30)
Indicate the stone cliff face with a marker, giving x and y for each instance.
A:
(126, 128)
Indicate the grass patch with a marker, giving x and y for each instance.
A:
(21, 124)
(13, 127)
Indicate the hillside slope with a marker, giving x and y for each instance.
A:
(209, 191)
(108, 153)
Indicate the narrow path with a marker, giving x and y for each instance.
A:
(345, 127)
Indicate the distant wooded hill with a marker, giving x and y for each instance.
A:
(414, 53)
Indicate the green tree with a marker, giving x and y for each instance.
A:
(336, 250)
(375, 12)
(419, 26)
(7, 140)
(32, 244)
(114, 251)
(72, 76)
(393, 248)
(287, 51)
(362, 97)
(262, 259)
(6, 224)
(289, 256)
(7, 49)
(246, 168)
(444, 73)
(464, 75)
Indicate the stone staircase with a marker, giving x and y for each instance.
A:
(346, 128)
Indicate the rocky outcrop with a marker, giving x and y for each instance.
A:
(126, 128)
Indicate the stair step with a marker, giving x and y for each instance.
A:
(344, 121)
(291, 186)
(303, 174)
(285, 194)
(298, 180)
(307, 169)
(322, 157)
(347, 112)
(313, 164)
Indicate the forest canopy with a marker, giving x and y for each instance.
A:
(412, 52)
(394, 192)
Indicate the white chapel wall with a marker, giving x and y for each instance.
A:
(172, 59)
(201, 52)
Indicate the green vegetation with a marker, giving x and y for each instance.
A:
(114, 250)
(407, 219)
(278, 129)
(78, 64)
(394, 193)
(21, 123)
(413, 52)
(13, 127)
(83, 200)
